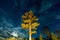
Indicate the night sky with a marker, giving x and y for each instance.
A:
(48, 12)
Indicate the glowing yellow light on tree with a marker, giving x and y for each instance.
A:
(29, 23)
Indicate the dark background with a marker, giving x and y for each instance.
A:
(48, 12)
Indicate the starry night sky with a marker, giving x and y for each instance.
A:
(48, 12)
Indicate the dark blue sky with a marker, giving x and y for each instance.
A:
(48, 12)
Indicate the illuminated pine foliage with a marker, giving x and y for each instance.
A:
(41, 37)
(30, 23)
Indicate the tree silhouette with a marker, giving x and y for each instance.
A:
(30, 23)
(58, 32)
(46, 29)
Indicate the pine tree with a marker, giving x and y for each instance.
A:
(40, 37)
(29, 22)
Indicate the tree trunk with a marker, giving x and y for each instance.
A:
(30, 31)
